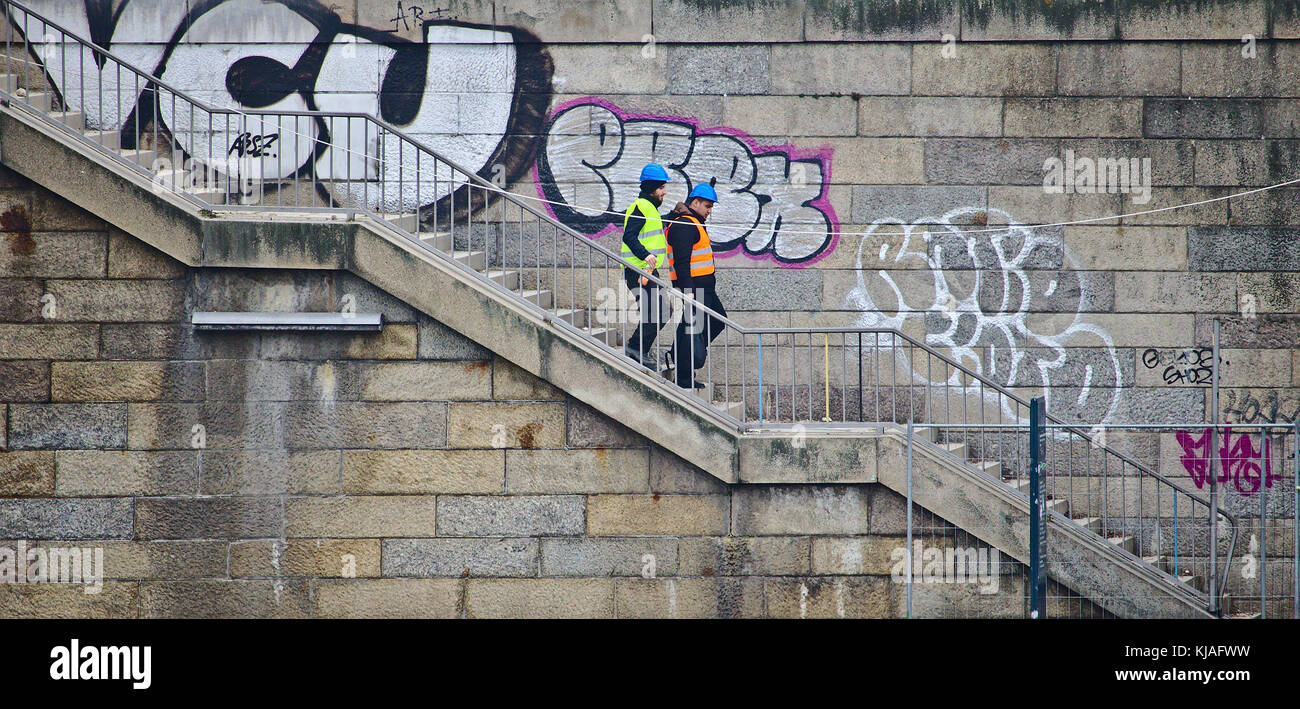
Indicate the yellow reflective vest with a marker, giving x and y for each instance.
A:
(652, 232)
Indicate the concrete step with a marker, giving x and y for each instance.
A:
(73, 119)
(1127, 543)
(509, 279)
(110, 139)
(1092, 523)
(957, 449)
(734, 408)
(408, 222)
(143, 158)
(543, 298)
(441, 240)
(577, 318)
(476, 260)
(39, 100)
(990, 467)
(609, 335)
(9, 82)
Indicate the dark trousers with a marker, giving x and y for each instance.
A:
(694, 334)
(653, 312)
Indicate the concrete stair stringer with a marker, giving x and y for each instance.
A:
(998, 515)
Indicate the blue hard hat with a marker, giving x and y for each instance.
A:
(704, 191)
(654, 172)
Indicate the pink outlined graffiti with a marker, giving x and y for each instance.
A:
(1238, 460)
(593, 151)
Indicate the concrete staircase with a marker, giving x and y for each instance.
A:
(492, 306)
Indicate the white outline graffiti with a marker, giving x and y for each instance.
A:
(977, 298)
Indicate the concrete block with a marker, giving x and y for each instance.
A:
(791, 115)
(365, 425)
(444, 472)
(624, 69)
(506, 425)
(26, 473)
(361, 516)
(744, 556)
(437, 341)
(1243, 248)
(225, 599)
(657, 514)
(397, 341)
(90, 472)
(913, 204)
(425, 558)
(86, 518)
(1128, 248)
(1031, 205)
(1264, 331)
(1268, 292)
(718, 69)
(760, 21)
(1145, 292)
(1218, 69)
(67, 425)
(1277, 207)
(838, 69)
(1118, 69)
(486, 516)
(1279, 118)
(670, 474)
(961, 600)
(587, 428)
(1201, 118)
(987, 161)
(540, 598)
(25, 382)
(350, 290)
(50, 212)
(171, 559)
(256, 290)
(879, 161)
(49, 341)
(126, 381)
(389, 598)
(1171, 160)
(1204, 21)
(52, 254)
(514, 384)
(802, 509)
(1073, 117)
(1164, 197)
(855, 556)
(1245, 163)
(311, 558)
(424, 381)
(783, 289)
(409, 24)
(984, 70)
(63, 600)
(561, 21)
(560, 472)
(633, 556)
(851, 21)
(689, 598)
(119, 301)
(207, 518)
(269, 472)
(907, 116)
(20, 300)
(1030, 22)
(167, 341)
(128, 257)
(860, 597)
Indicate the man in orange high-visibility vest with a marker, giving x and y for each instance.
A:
(690, 266)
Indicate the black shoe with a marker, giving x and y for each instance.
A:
(646, 359)
(696, 386)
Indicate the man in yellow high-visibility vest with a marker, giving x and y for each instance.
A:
(645, 247)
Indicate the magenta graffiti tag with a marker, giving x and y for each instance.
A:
(1238, 460)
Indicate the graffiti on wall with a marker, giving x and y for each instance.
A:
(1189, 366)
(974, 289)
(1239, 460)
(772, 199)
(473, 94)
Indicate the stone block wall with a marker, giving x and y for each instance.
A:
(405, 473)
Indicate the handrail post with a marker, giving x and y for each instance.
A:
(1214, 472)
(908, 555)
(1037, 509)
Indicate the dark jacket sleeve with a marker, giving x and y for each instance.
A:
(681, 239)
(631, 236)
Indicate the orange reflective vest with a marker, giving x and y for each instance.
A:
(701, 252)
